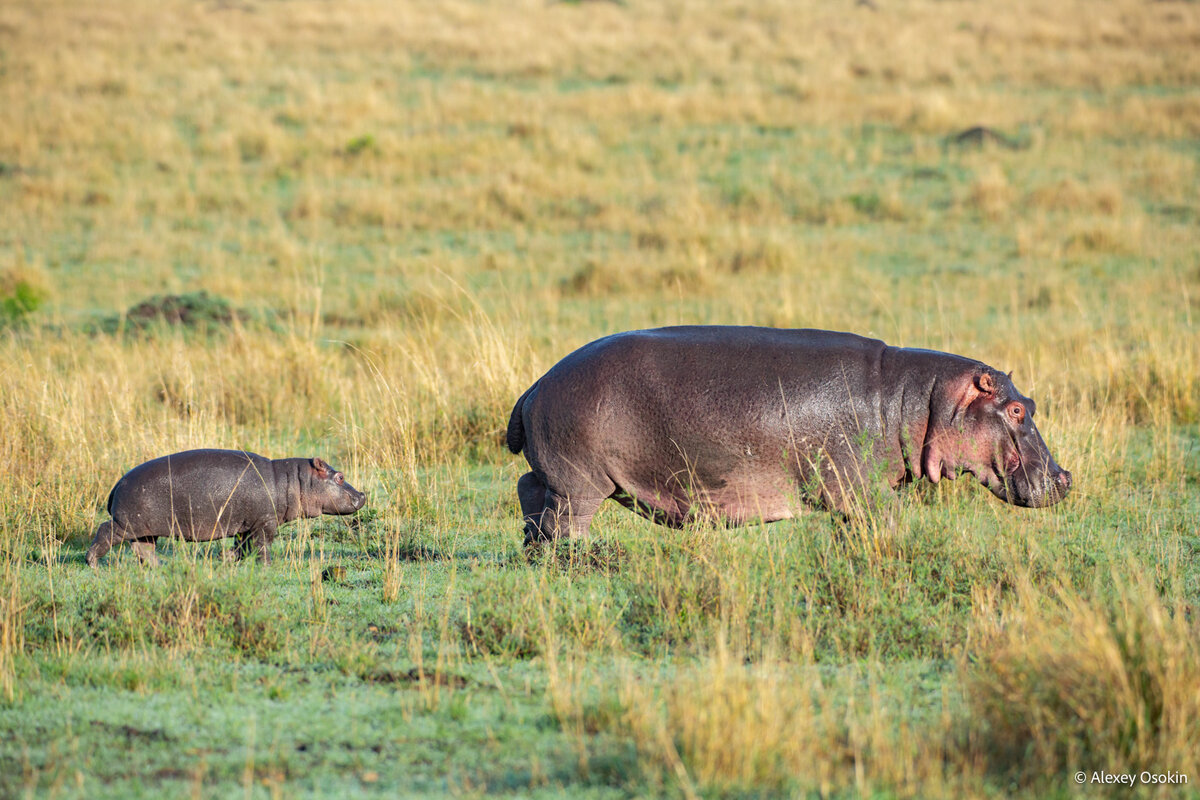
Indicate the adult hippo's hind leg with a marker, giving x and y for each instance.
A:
(532, 494)
(561, 517)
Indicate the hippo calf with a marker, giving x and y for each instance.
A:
(744, 424)
(200, 495)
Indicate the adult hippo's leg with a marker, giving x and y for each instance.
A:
(563, 513)
(563, 517)
(857, 492)
(875, 507)
(532, 494)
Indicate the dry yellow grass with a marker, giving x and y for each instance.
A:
(1111, 686)
(722, 726)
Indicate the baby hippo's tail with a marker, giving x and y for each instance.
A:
(516, 427)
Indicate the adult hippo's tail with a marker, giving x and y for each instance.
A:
(516, 427)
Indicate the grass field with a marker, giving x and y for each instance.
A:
(404, 213)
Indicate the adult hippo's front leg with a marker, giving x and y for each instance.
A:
(846, 492)
(873, 504)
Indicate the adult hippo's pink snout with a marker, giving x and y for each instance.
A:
(744, 424)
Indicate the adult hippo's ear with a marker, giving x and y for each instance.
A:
(970, 388)
(321, 467)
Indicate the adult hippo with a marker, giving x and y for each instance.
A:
(743, 423)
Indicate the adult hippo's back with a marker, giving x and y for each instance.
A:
(746, 423)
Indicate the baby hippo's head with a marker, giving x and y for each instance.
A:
(328, 492)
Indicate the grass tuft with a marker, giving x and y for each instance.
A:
(24, 289)
(1111, 685)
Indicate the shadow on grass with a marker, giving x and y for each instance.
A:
(606, 556)
(415, 676)
(573, 555)
(612, 764)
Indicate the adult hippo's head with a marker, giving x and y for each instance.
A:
(991, 434)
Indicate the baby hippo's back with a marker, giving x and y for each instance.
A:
(196, 495)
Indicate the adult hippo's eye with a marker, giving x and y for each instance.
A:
(1018, 412)
(339, 478)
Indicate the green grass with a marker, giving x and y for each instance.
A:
(165, 680)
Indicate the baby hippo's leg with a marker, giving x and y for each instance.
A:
(262, 541)
(240, 549)
(108, 535)
(102, 542)
(145, 550)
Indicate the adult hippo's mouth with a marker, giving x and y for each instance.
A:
(1029, 489)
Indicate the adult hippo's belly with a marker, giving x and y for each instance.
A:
(743, 424)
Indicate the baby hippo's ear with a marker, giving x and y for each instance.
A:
(321, 467)
(985, 383)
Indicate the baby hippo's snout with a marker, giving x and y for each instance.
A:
(355, 499)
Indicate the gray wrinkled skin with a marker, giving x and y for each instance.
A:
(200, 495)
(744, 424)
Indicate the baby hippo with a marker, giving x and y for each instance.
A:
(200, 495)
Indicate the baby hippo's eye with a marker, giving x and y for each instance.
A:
(1017, 411)
(339, 478)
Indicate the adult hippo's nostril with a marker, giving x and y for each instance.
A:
(1064, 480)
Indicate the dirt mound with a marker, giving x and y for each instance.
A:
(191, 310)
(200, 312)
